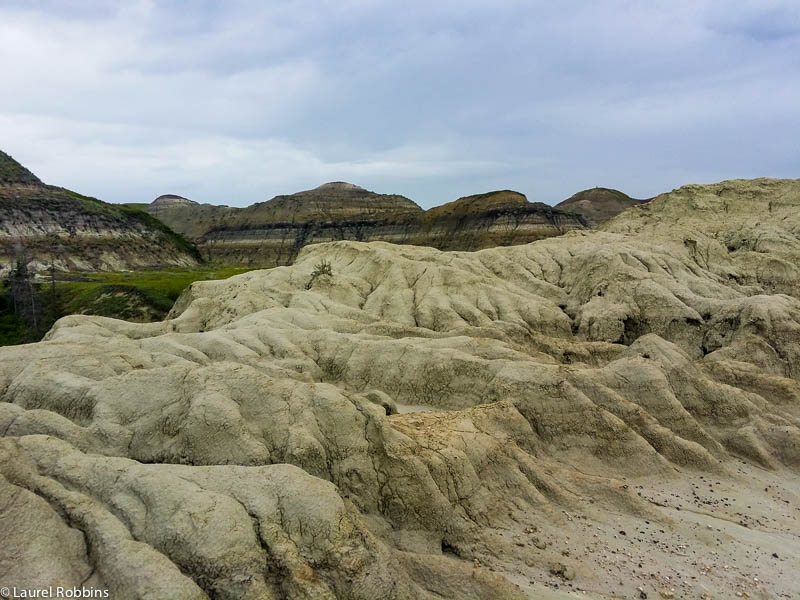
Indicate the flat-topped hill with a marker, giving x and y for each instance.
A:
(167, 200)
(273, 232)
(597, 205)
(334, 201)
(481, 203)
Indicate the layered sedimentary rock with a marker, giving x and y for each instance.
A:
(598, 205)
(273, 233)
(185, 216)
(615, 412)
(51, 225)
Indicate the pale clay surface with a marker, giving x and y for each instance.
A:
(433, 425)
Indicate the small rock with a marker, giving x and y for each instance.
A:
(566, 572)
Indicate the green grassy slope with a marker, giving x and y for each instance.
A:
(130, 295)
(13, 172)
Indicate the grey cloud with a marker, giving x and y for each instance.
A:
(236, 101)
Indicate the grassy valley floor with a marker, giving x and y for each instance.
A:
(141, 296)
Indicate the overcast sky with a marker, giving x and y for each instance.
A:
(235, 102)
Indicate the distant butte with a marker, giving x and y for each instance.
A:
(272, 233)
(598, 205)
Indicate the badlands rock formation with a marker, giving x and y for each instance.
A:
(273, 233)
(607, 413)
(598, 205)
(57, 226)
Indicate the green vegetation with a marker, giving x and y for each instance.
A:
(118, 301)
(21, 323)
(129, 295)
(12, 329)
(321, 269)
(13, 172)
(160, 288)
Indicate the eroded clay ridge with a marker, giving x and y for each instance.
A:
(615, 412)
(273, 233)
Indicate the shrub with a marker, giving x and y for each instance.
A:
(321, 269)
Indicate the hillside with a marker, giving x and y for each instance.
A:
(607, 413)
(76, 232)
(273, 232)
(744, 231)
(598, 205)
(501, 218)
(11, 172)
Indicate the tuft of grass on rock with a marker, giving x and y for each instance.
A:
(321, 269)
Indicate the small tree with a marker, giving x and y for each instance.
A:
(23, 292)
(55, 310)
